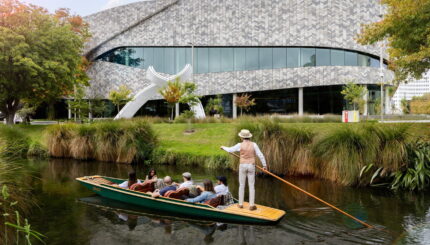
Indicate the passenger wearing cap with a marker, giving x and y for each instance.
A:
(221, 188)
(187, 180)
(248, 151)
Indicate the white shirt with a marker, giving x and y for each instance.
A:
(186, 184)
(221, 190)
(256, 148)
(125, 184)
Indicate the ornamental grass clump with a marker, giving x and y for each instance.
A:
(342, 153)
(82, 144)
(299, 141)
(13, 142)
(392, 142)
(59, 139)
(106, 139)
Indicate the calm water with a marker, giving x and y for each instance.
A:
(70, 214)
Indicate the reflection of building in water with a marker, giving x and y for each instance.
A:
(409, 90)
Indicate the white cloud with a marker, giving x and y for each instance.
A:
(116, 3)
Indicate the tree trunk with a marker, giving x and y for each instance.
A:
(12, 106)
(51, 111)
(172, 110)
(117, 107)
(241, 111)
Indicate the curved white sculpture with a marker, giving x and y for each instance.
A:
(157, 82)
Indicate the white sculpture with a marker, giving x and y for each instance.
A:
(158, 81)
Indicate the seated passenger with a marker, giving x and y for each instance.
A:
(152, 175)
(187, 181)
(221, 189)
(169, 187)
(132, 179)
(207, 194)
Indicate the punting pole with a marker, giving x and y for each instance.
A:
(311, 195)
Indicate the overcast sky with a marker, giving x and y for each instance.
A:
(81, 7)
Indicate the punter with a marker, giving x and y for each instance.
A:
(248, 150)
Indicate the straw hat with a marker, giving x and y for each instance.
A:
(244, 133)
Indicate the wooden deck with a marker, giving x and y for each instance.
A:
(261, 212)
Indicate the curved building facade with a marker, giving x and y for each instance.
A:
(291, 55)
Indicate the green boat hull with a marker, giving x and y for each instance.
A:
(170, 207)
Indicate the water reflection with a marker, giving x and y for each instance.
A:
(66, 207)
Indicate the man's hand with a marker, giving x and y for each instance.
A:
(265, 168)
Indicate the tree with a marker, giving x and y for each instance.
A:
(25, 112)
(179, 92)
(120, 97)
(244, 102)
(354, 93)
(406, 28)
(39, 54)
(405, 106)
(79, 105)
(214, 106)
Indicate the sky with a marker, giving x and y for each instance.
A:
(80, 7)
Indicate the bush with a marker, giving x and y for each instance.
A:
(122, 141)
(13, 143)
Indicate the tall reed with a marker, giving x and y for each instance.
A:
(13, 142)
(121, 141)
(343, 152)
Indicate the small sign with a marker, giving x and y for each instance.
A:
(350, 116)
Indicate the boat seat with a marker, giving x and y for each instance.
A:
(216, 201)
(178, 194)
(143, 187)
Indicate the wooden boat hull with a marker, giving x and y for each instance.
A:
(180, 207)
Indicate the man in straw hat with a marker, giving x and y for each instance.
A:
(248, 150)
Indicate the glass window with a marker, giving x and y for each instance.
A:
(180, 59)
(189, 60)
(308, 57)
(239, 59)
(293, 57)
(135, 57)
(159, 60)
(227, 59)
(374, 62)
(202, 60)
(337, 57)
(252, 58)
(323, 57)
(350, 58)
(169, 59)
(265, 58)
(363, 60)
(148, 57)
(214, 60)
(279, 58)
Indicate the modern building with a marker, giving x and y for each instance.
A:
(292, 56)
(407, 91)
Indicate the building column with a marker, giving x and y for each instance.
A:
(387, 100)
(176, 109)
(69, 110)
(366, 98)
(234, 106)
(90, 114)
(300, 101)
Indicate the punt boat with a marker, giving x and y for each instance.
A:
(101, 185)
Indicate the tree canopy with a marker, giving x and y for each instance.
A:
(179, 92)
(120, 97)
(354, 94)
(406, 29)
(40, 54)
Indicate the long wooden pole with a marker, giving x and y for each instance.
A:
(311, 195)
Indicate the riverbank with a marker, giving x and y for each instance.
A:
(333, 151)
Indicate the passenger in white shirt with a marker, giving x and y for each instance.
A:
(132, 179)
(187, 181)
(221, 188)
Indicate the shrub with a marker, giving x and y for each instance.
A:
(342, 154)
(82, 143)
(59, 139)
(13, 142)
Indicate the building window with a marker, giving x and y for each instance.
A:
(293, 57)
(337, 57)
(171, 60)
(323, 57)
(308, 57)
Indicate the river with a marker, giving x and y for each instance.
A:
(68, 213)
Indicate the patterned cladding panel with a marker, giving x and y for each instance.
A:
(107, 76)
(327, 23)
